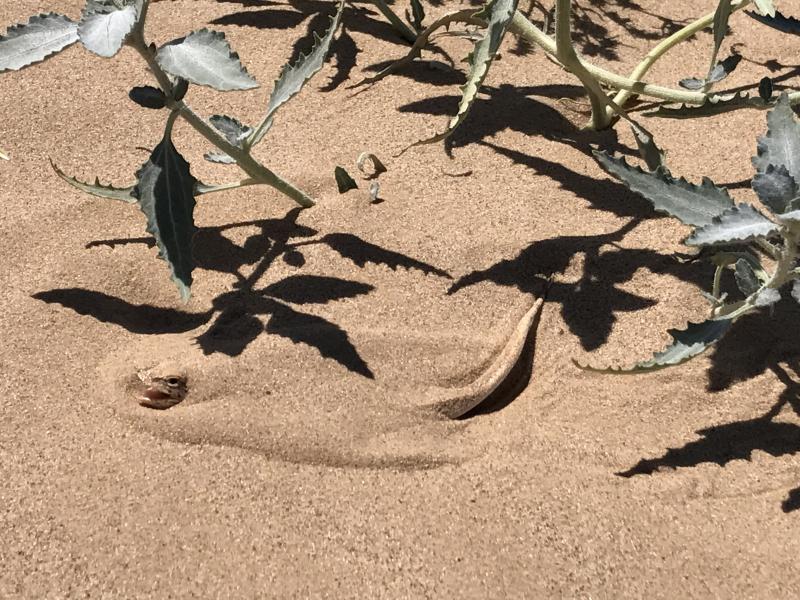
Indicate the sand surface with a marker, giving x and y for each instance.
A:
(304, 462)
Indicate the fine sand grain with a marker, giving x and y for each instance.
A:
(307, 460)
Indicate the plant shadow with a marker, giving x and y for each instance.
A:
(236, 316)
(509, 107)
(756, 345)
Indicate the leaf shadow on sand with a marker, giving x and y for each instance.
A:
(757, 344)
(316, 15)
(236, 316)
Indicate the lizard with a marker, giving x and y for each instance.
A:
(163, 391)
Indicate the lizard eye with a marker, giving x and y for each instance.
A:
(173, 381)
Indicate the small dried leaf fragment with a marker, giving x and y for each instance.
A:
(377, 166)
(344, 182)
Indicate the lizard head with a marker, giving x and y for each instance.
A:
(163, 388)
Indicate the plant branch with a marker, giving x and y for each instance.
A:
(665, 45)
(243, 158)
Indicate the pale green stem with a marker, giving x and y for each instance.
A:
(522, 27)
(203, 188)
(665, 45)
(565, 52)
(717, 281)
(243, 158)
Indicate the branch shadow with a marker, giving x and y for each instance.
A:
(588, 306)
(236, 316)
(511, 107)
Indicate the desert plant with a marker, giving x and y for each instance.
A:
(694, 98)
(738, 235)
(165, 189)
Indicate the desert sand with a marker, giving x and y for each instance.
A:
(306, 461)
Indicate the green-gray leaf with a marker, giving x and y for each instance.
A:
(746, 279)
(652, 155)
(42, 36)
(720, 24)
(687, 343)
(294, 76)
(204, 57)
(97, 188)
(165, 190)
(776, 188)
(233, 131)
(737, 225)
(497, 14)
(690, 204)
(781, 144)
(767, 297)
(106, 23)
(796, 290)
(765, 7)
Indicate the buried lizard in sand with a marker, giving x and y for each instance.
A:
(162, 389)
(165, 386)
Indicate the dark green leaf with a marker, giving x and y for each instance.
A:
(165, 190)
(233, 131)
(148, 96)
(765, 89)
(42, 36)
(746, 279)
